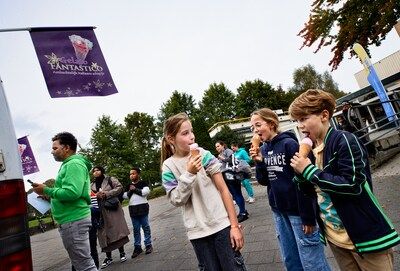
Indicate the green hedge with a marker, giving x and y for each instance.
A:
(156, 192)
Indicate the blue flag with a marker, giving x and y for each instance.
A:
(377, 85)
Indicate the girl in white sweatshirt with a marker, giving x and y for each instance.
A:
(195, 184)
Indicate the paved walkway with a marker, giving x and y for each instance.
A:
(173, 251)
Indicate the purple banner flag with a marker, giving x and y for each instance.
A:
(28, 161)
(72, 62)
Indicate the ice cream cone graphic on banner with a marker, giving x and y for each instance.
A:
(81, 46)
(375, 82)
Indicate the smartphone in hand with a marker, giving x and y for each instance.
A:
(32, 183)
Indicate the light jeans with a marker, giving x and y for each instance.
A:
(298, 250)
(75, 237)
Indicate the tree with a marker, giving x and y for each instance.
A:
(109, 147)
(101, 142)
(307, 77)
(143, 140)
(119, 147)
(201, 132)
(218, 104)
(364, 21)
(228, 136)
(283, 98)
(142, 132)
(256, 94)
(330, 85)
(182, 102)
(179, 102)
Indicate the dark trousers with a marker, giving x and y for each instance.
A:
(93, 245)
(215, 253)
(235, 188)
(121, 250)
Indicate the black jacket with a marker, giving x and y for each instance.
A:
(346, 178)
(140, 206)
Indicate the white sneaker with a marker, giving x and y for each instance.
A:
(251, 200)
(122, 257)
(107, 262)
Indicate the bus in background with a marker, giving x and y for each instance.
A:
(15, 248)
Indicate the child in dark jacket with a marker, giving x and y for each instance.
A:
(294, 213)
(360, 235)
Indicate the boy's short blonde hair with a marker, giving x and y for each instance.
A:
(313, 101)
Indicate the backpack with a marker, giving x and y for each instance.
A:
(236, 170)
(120, 196)
(241, 166)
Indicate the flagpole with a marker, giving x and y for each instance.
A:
(49, 27)
(14, 29)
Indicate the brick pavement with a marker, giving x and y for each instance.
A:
(173, 251)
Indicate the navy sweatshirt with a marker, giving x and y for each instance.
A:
(275, 172)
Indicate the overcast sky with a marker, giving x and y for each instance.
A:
(153, 48)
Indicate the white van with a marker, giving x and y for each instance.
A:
(15, 248)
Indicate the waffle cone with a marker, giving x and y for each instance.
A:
(194, 152)
(255, 141)
(304, 150)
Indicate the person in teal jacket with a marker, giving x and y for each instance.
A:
(70, 200)
(241, 154)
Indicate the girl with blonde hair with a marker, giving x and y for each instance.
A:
(293, 212)
(195, 183)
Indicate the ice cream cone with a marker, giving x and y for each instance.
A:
(194, 149)
(255, 141)
(305, 147)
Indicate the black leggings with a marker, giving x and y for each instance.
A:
(121, 250)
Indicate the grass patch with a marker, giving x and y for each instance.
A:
(35, 223)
